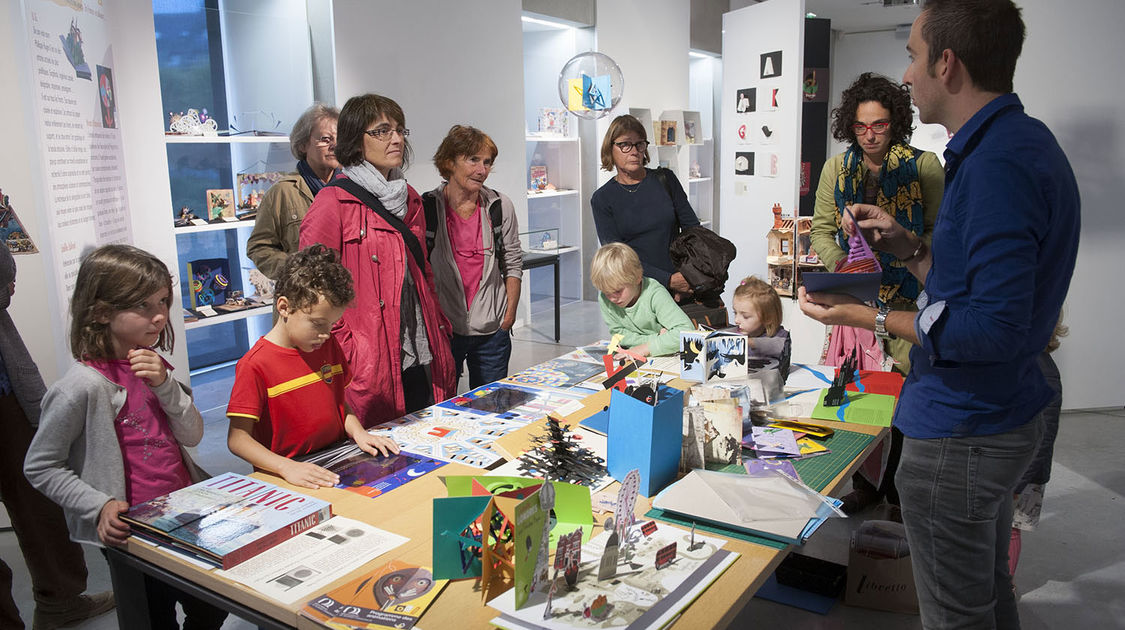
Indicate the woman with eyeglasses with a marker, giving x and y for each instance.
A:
(278, 223)
(635, 208)
(394, 334)
(476, 257)
(878, 168)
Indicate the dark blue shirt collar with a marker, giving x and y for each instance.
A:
(969, 134)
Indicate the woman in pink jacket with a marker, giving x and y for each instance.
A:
(394, 334)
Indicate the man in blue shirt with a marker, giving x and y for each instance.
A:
(1004, 249)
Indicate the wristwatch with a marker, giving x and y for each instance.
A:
(881, 323)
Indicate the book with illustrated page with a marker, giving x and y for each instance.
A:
(393, 596)
(226, 519)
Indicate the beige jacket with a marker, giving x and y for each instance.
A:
(278, 225)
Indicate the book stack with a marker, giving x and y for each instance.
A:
(227, 519)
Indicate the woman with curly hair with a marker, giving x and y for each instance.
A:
(878, 168)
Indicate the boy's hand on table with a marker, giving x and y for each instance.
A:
(376, 444)
(307, 475)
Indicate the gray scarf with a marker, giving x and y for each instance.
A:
(27, 384)
(392, 193)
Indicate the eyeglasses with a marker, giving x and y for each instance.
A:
(325, 141)
(879, 128)
(627, 147)
(384, 133)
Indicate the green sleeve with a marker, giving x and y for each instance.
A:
(823, 232)
(614, 317)
(670, 317)
(931, 174)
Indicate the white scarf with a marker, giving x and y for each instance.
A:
(390, 191)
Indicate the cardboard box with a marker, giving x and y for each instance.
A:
(645, 437)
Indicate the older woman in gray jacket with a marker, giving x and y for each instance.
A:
(476, 256)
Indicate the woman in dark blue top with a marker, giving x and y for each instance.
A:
(635, 208)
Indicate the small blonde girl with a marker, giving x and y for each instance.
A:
(112, 429)
(757, 308)
(757, 314)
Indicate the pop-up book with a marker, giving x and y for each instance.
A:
(640, 594)
(858, 275)
(209, 281)
(500, 529)
(712, 355)
(572, 502)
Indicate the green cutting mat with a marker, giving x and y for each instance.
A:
(845, 446)
(816, 472)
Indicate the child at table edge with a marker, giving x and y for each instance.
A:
(288, 394)
(639, 309)
(113, 429)
(757, 314)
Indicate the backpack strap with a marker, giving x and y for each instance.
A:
(371, 201)
(429, 205)
(662, 175)
(496, 218)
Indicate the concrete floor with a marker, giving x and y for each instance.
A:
(1071, 573)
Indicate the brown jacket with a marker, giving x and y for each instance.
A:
(277, 228)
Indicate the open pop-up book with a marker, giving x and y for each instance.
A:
(858, 275)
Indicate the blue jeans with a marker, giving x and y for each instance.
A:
(487, 356)
(956, 496)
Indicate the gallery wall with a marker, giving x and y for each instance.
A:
(130, 52)
(465, 67)
(1064, 79)
(760, 135)
(648, 39)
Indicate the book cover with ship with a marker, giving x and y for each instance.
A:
(227, 519)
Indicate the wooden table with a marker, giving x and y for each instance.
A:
(408, 511)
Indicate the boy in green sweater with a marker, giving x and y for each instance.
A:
(638, 308)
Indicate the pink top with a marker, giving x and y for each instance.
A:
(153, 463)
(468, 250)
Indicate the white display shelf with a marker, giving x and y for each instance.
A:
(247, 139)
(214, 227)
(697, 180)
(551, 193)
(566, 249)
(265, 309)
(552, 138)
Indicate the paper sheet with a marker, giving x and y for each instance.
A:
(305, 564)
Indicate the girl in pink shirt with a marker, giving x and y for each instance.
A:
(112, 428)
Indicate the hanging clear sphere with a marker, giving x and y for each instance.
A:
(591, 85)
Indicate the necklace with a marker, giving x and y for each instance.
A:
(632, 190)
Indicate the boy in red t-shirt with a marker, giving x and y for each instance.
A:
(288, 395)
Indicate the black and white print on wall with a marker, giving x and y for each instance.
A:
(771, 64)
(765, 130)
(744, 163)
(746, 101)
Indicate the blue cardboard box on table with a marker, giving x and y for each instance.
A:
(646, 437)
